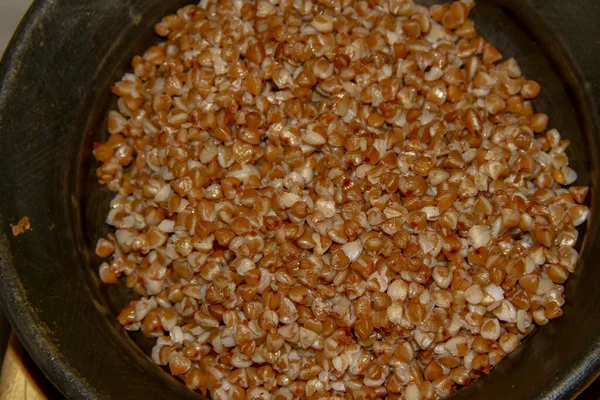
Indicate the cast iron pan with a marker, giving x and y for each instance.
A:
(55, 79)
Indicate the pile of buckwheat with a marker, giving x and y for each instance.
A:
(334, 199)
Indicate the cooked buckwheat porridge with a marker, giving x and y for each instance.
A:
(334, 199)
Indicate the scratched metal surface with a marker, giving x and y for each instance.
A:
(55, 81)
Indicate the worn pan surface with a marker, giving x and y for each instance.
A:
(55, 80)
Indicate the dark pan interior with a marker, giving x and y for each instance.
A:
(56, 80)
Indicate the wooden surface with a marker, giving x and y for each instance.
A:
(21, 379)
